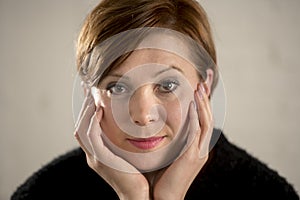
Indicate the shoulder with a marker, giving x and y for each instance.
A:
(232, 171)
(66, 177)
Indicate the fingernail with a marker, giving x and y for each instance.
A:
(200, 94)
(198, 86)
(202, 87)
(194, 106)
(200, 91)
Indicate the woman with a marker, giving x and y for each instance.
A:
(146, 127)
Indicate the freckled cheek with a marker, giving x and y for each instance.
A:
(174, 116)
(108, 123)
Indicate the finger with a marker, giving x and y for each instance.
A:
(187, 166)
(96, 93)
(194, 127)
(203, 114)
(203, 103)
(86, 151)
(203, 88)
(83, 126)
(86, 88)
(84, 121)
(206, 120)
(209, 120)
(94, 133)
(87, 100)
(100, 152)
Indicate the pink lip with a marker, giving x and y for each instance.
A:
(146, 143)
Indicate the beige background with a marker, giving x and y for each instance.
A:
(258, 47)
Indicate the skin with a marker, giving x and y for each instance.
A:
(146, 96)
(173, 181)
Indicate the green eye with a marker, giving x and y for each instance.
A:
(167, 86)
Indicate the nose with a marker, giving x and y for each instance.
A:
(142, 107)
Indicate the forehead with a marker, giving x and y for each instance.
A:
(154, 56)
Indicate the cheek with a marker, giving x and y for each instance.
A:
(107, 113)
(108, 123)
(174, 116)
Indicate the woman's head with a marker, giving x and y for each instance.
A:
(147, 57)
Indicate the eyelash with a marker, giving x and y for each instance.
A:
(160, 86)
(111, 86)
(163, 83)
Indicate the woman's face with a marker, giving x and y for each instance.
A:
(151, 85)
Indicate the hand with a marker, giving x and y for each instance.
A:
(174, 181)
(88, 133)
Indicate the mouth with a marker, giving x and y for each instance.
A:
(146, 143)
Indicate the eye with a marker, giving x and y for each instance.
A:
(168, 85)
(117, 88)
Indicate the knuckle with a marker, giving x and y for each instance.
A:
(91, 162)
(189, 159)
(89, 134)
(204, 158)
(94, 163)
(77, 137)
(76, 134)
(190, 155)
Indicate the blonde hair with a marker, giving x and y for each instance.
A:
(111, 17)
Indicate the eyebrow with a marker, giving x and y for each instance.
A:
(118, 75)
(168, 69)
(157, 73)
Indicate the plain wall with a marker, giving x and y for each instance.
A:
(258, 48)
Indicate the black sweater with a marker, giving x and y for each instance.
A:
(230, 173)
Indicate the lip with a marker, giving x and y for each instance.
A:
(146, 143)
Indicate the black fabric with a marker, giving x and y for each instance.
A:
(230, 173)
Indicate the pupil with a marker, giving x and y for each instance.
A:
(119, 88)
(168, 86)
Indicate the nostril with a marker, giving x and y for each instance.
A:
(145, 120)
(140, 123)
(152, 120)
